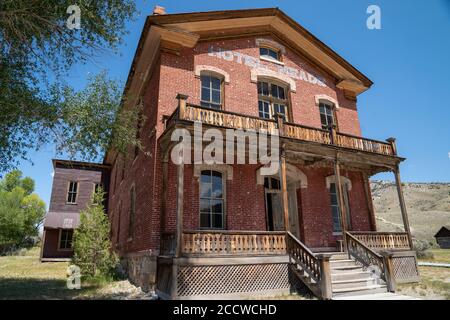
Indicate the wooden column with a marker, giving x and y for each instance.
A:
(284, 194)
(325, 273)
(180, 191)
(181, 105)
(368, 195)
(341, 202)
(401, 200)
(389, 271)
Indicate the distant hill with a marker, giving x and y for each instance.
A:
(428, 206)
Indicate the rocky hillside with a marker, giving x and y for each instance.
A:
(428, 206)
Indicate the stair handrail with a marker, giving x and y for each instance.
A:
(316, 266)
(302, 255)
(364, 255)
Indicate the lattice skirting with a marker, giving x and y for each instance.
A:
(405, 267)
(225, 281)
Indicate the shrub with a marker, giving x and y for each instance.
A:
(92, 246)
(422, 248)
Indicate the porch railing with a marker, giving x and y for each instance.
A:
(226, 119)
(379, 241)
(233, 242)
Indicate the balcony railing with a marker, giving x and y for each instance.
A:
(233, 242)
(226, 119)
(379, 241)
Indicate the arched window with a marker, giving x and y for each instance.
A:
(211, 91)
(327, 117)
(269, 53)
(211, 200)
(272, 99)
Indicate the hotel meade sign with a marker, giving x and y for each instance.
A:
(253, 62)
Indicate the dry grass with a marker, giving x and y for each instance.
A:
(434, 284)
(24, 277)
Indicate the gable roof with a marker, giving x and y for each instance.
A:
(444, 231)
(185, 29)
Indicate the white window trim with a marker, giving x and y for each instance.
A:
(259, 73)
(214, 70)
(332, 179)
(262, 42)
(225, 169)
(294, 175)
(327, 99)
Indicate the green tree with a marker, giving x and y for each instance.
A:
(92, 246)
(37, 50)
(21, 211)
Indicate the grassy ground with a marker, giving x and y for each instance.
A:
(24, 277)
(434, 282)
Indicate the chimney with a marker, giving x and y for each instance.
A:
(158, 10)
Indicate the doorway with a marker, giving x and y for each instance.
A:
(274, 206)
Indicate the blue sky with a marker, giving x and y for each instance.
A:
(408, 61)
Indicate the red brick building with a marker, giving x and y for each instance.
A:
(73, 185)
(219, 230)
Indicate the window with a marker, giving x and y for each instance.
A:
(72, 192)
(65, 239)
(335, 207)
(132, 212)
(326, 115)
(211, 95)
(211, 200)
(272, 99)
(272, 183)
(269, 53)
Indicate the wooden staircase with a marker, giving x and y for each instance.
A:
(348, 278)
(332, 275)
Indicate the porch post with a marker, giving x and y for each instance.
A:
(401, 200)
(180, 189)
(341, 202)
(284, 189)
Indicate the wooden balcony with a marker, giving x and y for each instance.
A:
(240, 243)
(230, 120)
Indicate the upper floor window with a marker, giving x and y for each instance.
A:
(326, 115)
(211, 200)
(211, 95)
(272, 99)
(65, 239)
(72, 192)
(269, 53)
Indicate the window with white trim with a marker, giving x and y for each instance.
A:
(272, 99)
(65, 239)
(72, 192)
(269, 53)
(211, 200)
(211, 92)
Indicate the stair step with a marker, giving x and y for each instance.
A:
(353, 267)
(342, 263)
(351, 275)
(377, 296)
(363, 290)
(354, 283)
